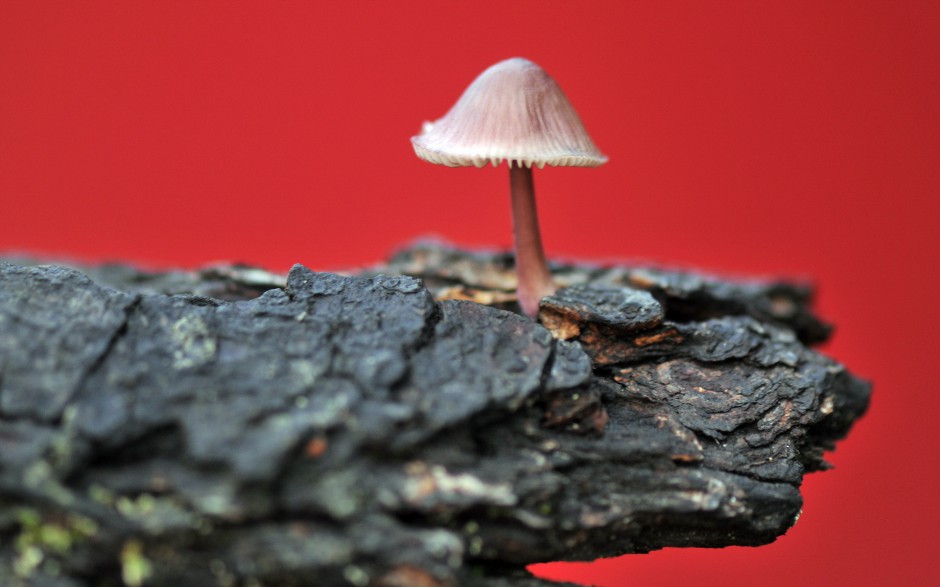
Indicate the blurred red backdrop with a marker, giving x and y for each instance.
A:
(796, 138)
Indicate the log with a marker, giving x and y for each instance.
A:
(402, 425)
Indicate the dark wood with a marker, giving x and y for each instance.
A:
(230, 425)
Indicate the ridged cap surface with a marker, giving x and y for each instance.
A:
(513, 111)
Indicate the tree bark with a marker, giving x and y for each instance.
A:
(401, 426)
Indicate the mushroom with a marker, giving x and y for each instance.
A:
(516, 112)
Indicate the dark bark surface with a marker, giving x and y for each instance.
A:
(402, 426)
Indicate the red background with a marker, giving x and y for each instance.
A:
(793, 138)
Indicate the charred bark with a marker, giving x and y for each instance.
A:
(401, 426)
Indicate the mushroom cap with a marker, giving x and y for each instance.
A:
(513, 111)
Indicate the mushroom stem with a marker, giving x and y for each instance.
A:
(535, 282)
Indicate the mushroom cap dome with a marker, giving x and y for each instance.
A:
(513, 111)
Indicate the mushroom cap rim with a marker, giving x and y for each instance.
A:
(496, 158)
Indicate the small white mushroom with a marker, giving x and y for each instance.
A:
(513, 112)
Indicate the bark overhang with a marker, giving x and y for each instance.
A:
(384, 428)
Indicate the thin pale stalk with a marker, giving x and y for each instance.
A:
(535, 282)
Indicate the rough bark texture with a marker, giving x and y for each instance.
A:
(227, 428)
